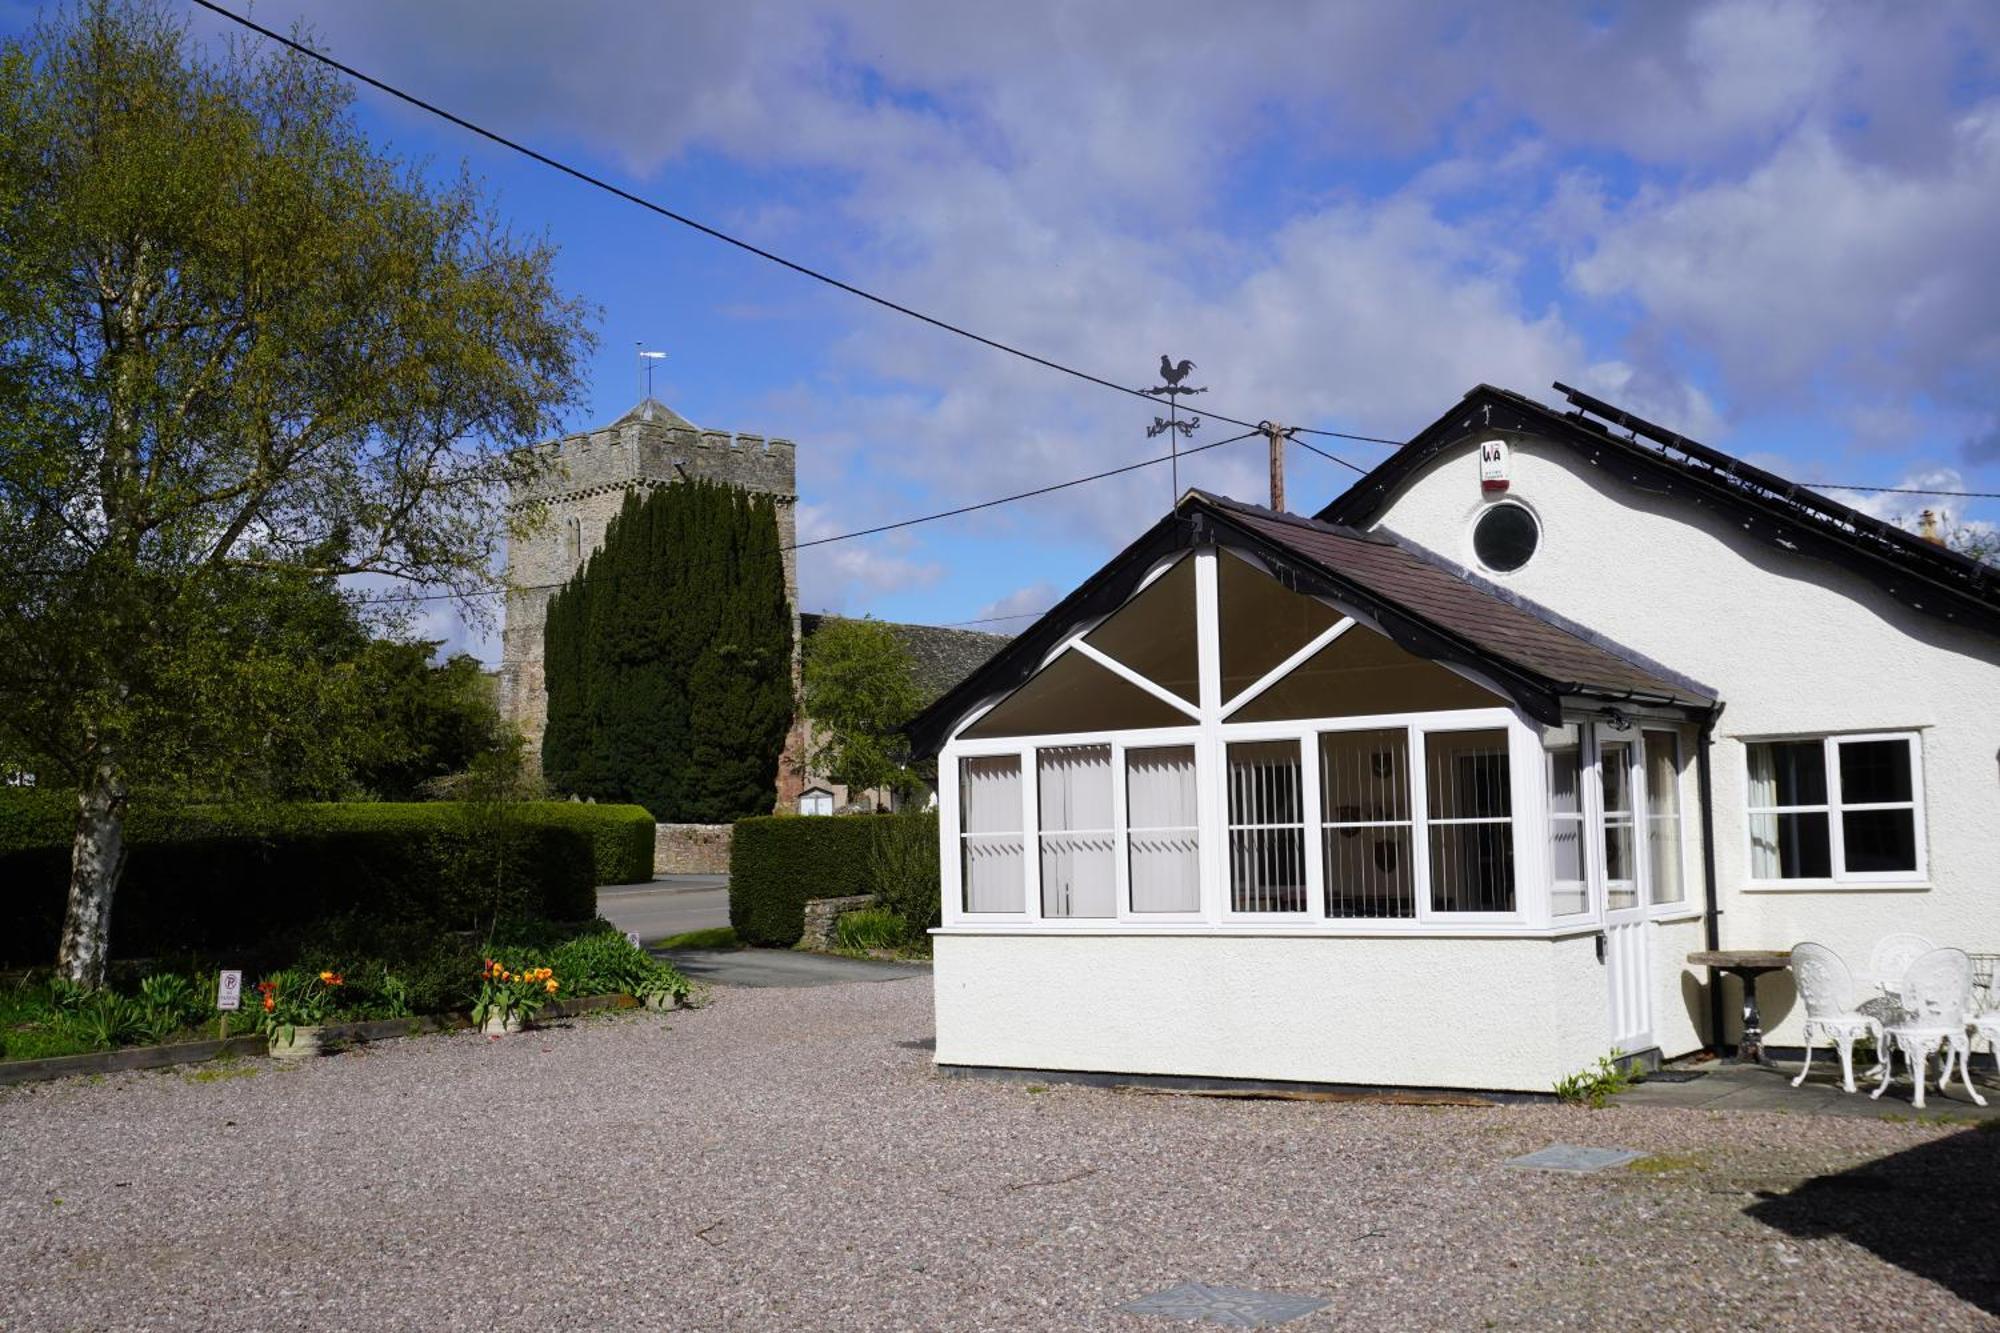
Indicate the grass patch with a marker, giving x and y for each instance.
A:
(715, 937)
(1665, 1162)
(220, 1075)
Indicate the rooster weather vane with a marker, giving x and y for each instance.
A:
(1174, 373)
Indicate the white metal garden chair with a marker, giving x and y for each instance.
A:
(1936, 993)
(1827, 988)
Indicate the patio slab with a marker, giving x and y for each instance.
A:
(1727, 1086)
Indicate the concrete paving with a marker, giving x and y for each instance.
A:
(1727, 1086)
(666, 906)
(786, 968)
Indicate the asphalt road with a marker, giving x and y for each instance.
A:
(669, 905)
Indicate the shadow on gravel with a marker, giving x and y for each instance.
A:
(1932, 1211)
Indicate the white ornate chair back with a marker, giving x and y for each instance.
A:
(1937, 989)
(1823, 980)
(1892, 955)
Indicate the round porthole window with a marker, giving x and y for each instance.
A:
(1505, 537)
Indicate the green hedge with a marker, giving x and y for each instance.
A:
(212, 877)
(777, 863)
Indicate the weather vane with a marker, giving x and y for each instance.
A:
(1171, 424)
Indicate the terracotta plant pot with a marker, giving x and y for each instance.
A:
(305, 1043)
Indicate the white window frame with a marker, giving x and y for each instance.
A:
(1834, 807)
(1209, 733)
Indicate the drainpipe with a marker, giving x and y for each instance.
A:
(1711, 917)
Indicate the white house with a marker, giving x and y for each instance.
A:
(1442, 786)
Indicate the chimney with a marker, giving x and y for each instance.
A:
(1927, 528)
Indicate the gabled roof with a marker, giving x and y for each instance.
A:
(1424, 603)
(654, 411)
(939, 657)
(1922, 574)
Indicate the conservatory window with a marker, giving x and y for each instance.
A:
(1470, 807)
(989, 796)
(1164, 838)
(1078, 837)
(1570, 887)
(1663, 816)
(1267, 832)
(1366, 824)
(1842, 808)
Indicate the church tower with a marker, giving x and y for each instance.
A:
(649, 446)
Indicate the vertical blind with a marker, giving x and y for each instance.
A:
(1267, 831)
(1161, 812)
(1663, 815)
(1470, 805)
(1079, 838)
(989, 802)
(1570, 889)
(1364, 793)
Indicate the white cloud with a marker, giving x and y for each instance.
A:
(1018, 607)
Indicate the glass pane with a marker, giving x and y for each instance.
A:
(1787, 773)
(1566, 847)
(1264, 783)
(1365, 785)
(1874, 771)
(989, 804)
(1073, 694)
(1879, 841)
(1467, 774)
(1364, 776)
(1569, 893)
(1566, 781)
(1263, 622)
(1569, 899)
(1359, 674)
(1267, 870)
(1078, 872)
(1267, 865)
(1505, 537)
(1370, 872)
(1161, 813)
(1790, 846)
(1472, 867)
(1663, 816)
(1154, 633)
(1614, 768)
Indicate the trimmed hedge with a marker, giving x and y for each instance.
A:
(210, 877)
(777, 863)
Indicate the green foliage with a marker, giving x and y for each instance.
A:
(604, 962)
(903, 870)
(859, 692)
(1595, 1086)
(240, 877)
(780, 862)
(259, 356)
(668, 658)
(869, 929)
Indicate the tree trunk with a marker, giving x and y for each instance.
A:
(97, 861)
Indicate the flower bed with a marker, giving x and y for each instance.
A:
(43, 1019)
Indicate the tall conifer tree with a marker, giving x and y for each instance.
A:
(668, 658)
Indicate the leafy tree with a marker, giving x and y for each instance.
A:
(667, 658)
(240, 352)
(859, 693)
(419, 722)
(1980, 543)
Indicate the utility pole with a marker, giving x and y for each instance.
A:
(1171, 425)
(1276, 435)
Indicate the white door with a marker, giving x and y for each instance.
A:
(1627, 941)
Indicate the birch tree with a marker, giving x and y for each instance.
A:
(239, 348)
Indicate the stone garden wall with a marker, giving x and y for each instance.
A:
(691, 849)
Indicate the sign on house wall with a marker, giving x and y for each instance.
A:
(1493, 465)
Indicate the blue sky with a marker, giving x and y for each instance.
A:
(1767, 222)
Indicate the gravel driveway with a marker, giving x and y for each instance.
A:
(788, 1159)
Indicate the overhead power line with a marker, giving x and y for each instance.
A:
(859, 532)
(1900, 490)
(715, 233)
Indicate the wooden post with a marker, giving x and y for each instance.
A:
(1276, 435)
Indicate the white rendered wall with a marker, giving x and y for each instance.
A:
(1794, 646)
(1508, 1014)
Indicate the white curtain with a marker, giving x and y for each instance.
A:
(989, 800)
(1569, 893)
(1160, 811)
(1079, 839)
